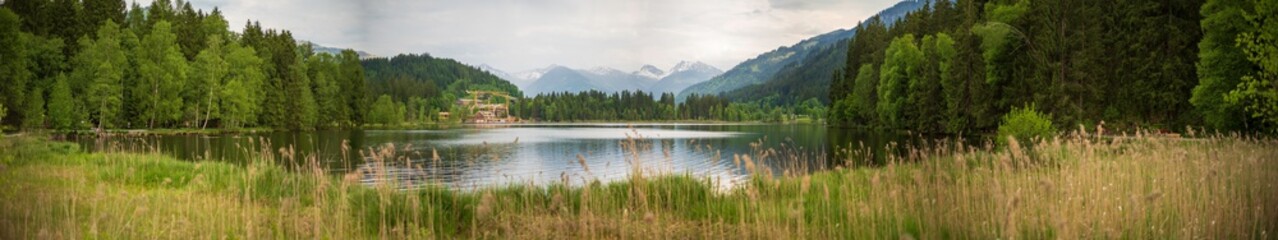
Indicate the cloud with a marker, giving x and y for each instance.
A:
(803, 4)
(519, 35)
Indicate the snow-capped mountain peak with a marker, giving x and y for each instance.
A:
(604, 71)
(490, 69)
(650, 71)
(535, 73)
(496, 72)
(648, 78)
(688, 66)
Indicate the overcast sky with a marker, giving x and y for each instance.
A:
(520, 35)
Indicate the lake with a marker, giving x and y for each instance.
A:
(477, 156)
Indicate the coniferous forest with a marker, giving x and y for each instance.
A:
(72, 65)
(952, 67)
(956, 67)
(168, 65)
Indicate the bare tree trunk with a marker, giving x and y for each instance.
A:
(208, 111)
(155, 91)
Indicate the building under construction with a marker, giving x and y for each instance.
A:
(488, 107)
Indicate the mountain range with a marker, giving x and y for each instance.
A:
(808, 65)
(785, 75)
(648, 78)
(335, 51)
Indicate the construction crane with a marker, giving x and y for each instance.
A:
(488, 111)
(475, 95)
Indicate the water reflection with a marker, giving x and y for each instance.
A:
(473, 158)
(476, 157)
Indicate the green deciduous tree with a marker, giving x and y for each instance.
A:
(385, 111)
(208, 74)
(1025, 124)
(1257, 92)
(14, 64)
(1221, 63)
(241, 93)
(324, 73)
(864, 100)
(162, 71)
(63, 113)
(901, 64)
(33, 112)
(101, 65)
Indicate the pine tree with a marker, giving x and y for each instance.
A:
(303, 112)
(354, 86)
(926, 105)
(333, 109)
(64, 22)
(32, 12)
(96, 12)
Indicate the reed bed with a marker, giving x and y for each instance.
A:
(1077, 185)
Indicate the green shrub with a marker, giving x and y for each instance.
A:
(1025, 124)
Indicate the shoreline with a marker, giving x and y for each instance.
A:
(433, 126)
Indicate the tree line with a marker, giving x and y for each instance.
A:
(955, 67)
(73, 65)
(643, 106)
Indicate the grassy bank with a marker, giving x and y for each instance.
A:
(1070, 187)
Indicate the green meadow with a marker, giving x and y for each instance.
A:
(1067, 187)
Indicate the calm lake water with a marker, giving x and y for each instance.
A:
(486, 156)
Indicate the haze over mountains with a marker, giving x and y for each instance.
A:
(335, 51)
(794, 73)
(783, 76)
(648, 78)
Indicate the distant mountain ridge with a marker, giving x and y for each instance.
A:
(826, 50)
(648, 78)
(683, 75)
(335, 51)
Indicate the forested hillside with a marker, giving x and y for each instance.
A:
(74, 65)
(797, 82)
(801, 71)
(425, 84)
(957, 67)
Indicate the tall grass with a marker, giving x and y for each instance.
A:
(1080, 185)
